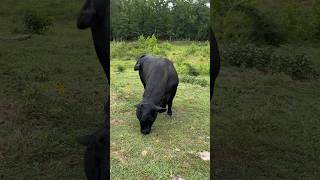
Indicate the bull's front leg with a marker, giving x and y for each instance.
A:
(169, 112)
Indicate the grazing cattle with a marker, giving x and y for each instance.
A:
(160, 82)
(95, 14)
(214, 62)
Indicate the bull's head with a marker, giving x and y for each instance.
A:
(147, 114)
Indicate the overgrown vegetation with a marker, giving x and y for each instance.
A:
(36, 22)
(189, 59)
(264, 58)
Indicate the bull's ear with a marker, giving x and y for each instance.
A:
(85, 140)
(137, 67)
(160, 109)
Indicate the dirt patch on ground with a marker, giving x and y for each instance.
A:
(119, 155)
(116, 122)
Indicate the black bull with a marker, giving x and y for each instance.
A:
(95, 15)
(160, 81)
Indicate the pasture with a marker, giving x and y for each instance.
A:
(266, 125)
(172, 147)
(52, 91)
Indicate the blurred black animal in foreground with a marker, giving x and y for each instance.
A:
(95, 14)
(160, 82)
(95, 158)
(214, 62)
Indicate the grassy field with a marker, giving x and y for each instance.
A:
(267, 126)
(52, 91)
(172, 147)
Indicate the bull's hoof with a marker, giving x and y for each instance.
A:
(169, 113)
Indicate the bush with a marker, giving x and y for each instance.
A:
(248, 56)
(150, 45)
(193, 80)
(121, 68)
(36, 22)
(298, 66)
(191, 49)
(191, 70)
(264, 59)
(166, 46)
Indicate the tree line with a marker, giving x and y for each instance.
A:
(166, 19)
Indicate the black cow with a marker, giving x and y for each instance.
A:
(95, 14)
(160, 82)
(214, 62)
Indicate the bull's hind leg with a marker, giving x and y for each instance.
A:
(169, 112)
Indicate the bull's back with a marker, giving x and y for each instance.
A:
(159, 73)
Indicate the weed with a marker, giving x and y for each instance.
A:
(193, 80)
(37, 22)
(121, 68)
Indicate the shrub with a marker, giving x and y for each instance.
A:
(141, 41)
(191, 70)
(150, 45)
(191, 49)
(298, 66)
(193, 80)
(121, 68)
(166, 45)
(36, 22)
(248, 56)
(151, 42)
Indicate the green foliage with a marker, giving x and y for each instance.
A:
(150, 43)
(247, 56)
(166, 46)
(194, 80)
(37, 22)
(193, 64)
(191, 70)
(192, 49)
(298, 66)
(121, 68)
(264, 59)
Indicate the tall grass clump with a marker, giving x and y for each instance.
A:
(298, 67)
(36, 22)
(193, 80)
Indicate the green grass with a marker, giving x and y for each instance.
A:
(267, 126)
(52, 91)
(172, 147)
